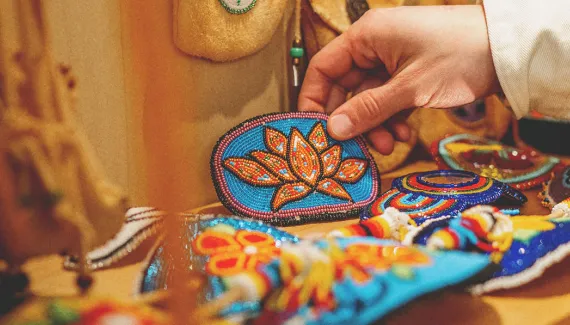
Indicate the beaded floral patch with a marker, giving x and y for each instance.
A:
(227, 249)
(327, 281)
(522, 246)
(441, 193)
(238, 6)
(557, 189)
(284, 169)
(516, 167)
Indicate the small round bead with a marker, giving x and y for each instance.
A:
(297, 52)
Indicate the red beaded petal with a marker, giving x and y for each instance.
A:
(227, 264)
(330, 187)
(318, 137)
(213, 242)
(254, 238)
(288, 193)
(331, 160)
(351, 170)
(275, 164)
(303, 158)
(251, 172)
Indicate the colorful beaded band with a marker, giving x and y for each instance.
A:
(441, 193)
(418, 207)
(518, 168)
(284, 168)
(523, 247)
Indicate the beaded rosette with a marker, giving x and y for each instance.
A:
(557, 189)
(327, 281)
(439, 193)
(522, 246)
(519, 168)
(284, 169)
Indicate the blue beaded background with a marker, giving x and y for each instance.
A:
(156, 274)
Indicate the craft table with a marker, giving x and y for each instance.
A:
(544, 301)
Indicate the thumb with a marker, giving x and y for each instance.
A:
(369, 109)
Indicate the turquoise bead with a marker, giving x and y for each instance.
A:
(297, 52)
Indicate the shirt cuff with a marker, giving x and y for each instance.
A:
(509, 58)
(530, 45)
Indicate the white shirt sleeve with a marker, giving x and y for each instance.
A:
(530, 44)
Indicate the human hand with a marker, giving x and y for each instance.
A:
(396, 59)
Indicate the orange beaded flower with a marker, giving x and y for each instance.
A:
(298, 166)
(231, 254)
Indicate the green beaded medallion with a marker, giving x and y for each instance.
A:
(238, 7)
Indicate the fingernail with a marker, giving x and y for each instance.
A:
(340, 126)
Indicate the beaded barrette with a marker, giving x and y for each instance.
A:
(275, 277)
(284, 168)
(519, 168)
(140, 225)
(557, 189)
(522, 246)
(439, 193)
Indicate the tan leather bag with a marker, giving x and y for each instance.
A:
(207, 29)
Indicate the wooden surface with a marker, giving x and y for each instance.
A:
(545, 301)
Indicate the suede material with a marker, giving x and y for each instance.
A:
(434, 124)
(333, 13)
(205, 29)
(316, 33)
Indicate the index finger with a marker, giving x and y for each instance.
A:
(336, 61)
